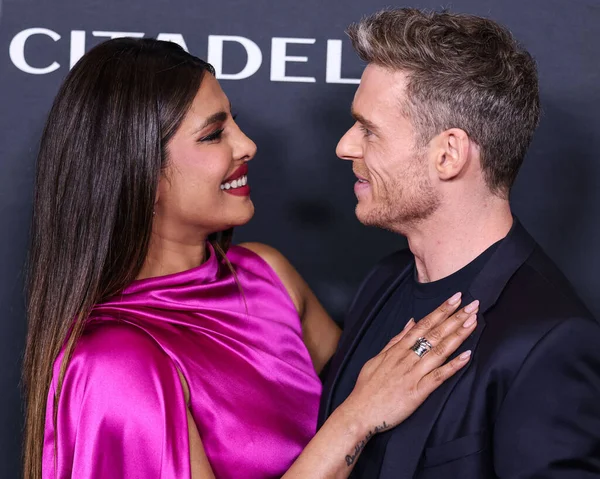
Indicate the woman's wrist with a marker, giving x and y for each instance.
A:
(334, 449)
(351, 418)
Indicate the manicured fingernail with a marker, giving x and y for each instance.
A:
(470, 321)
(472, 307)
(466, 355)
(411, 320)
(455, 299)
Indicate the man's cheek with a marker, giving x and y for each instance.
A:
(380, 180)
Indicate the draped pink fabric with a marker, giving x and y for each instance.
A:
(253, 390)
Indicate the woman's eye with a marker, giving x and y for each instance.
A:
(213, 136)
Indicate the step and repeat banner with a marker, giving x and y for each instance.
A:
(290, 74)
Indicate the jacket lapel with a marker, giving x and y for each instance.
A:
(359, 318)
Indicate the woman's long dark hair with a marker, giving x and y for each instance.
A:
(101, 156)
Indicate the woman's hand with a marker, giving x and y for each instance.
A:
(390, 387)
(393, 384)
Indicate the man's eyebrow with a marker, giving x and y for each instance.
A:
(361, 119)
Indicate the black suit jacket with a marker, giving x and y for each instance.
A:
(528, 403)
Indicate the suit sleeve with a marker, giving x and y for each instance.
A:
(549, 424)
(122, 412)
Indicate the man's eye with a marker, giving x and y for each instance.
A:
(365, 131)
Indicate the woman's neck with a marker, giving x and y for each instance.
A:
(170, 256)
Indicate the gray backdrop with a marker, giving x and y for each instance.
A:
(296, 110)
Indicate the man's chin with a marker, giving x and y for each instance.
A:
(367, 216)
(379, 219)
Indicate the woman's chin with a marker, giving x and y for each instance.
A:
(241, 217)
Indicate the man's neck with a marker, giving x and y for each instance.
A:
(449, 240)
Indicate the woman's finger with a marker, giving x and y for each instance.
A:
(438, 315)
(444, 349)
(439, 333)
(436, 377)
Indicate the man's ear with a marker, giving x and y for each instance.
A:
(451, 153)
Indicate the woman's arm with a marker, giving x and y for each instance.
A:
(320, 333)
(390, 387)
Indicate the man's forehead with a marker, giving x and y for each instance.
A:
(380, 91)
(378, 79)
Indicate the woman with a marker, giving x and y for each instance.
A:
(154, 325)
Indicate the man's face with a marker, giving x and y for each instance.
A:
(394, 189)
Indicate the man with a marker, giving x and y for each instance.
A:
(445, 111)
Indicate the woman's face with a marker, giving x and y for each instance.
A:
(204, 188)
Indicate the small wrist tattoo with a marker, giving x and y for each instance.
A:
(350, 458)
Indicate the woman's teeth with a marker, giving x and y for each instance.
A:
(243, 181)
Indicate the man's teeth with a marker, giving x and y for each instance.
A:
(243, 181)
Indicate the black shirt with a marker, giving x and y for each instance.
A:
(411, 299)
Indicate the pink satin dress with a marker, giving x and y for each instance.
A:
(254, 394)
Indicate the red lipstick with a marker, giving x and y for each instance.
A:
(241, 171)
(232, 185)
